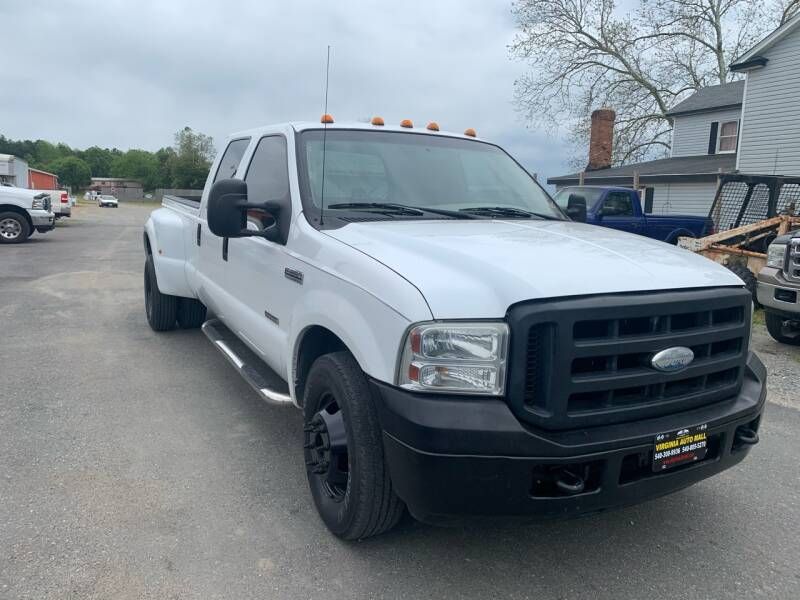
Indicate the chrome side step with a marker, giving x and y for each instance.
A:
(261, 378)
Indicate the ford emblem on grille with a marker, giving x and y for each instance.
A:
(672, 359)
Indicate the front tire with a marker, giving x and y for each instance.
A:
(343, 449)
(14, 228)
(779, 332)
(161, 308)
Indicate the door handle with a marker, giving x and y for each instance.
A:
(199, 231)
(225, 249)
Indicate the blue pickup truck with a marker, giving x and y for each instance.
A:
(621, 208)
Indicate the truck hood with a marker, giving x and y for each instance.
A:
(477, 269)
(17, 195)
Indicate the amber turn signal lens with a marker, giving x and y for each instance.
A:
(326, 119)
(406, 123)
(433, 126)
(377, 121)
(470, 132)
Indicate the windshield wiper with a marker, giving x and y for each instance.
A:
(506, 211)
(400, 209)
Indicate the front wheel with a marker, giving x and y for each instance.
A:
(782, 330)
(343, 450)
(14, 228)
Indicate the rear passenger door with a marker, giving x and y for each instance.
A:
(254, 273)
(618, 212)
(210, 266)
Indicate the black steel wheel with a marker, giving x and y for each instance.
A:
(343, 451)
(326, 449)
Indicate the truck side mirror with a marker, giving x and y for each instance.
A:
(227, 211)
(576, 208)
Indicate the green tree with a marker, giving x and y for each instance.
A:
(165, 157)
(71, 171)
(137, 164)
(194, 152)
(99, 160)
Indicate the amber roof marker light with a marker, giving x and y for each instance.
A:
(433, 126)
(326, 118)
(406, 123)
(470, 132)
(378, 121)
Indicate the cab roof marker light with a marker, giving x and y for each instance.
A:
(406, 123)
(470, 132)
(377, 121)
(433, 126)
(326, 118)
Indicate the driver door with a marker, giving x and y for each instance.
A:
(254, 269)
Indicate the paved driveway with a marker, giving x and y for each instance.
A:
(137, 465)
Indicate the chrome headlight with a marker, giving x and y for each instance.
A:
(38, 202)
(776, 253)
(466, 358)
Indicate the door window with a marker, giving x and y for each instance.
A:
(268, 181)
(231, 159)
(618, 204)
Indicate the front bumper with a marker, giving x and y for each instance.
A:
(42, 220)
(452, 457)
(778, 295)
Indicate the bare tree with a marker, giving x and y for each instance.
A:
(587, 53)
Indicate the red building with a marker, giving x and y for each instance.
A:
(42, 180)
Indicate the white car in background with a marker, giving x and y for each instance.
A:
(107, 200)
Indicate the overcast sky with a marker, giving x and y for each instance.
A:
(129, 73)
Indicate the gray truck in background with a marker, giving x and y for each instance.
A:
(779, 289)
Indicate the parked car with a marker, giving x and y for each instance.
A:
(621, 208)
(22, 212)
(107, 200)
(779, 289)
(457, 345)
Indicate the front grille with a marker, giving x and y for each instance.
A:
(793, 261)
(587, 361)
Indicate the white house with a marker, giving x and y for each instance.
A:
(750, 126)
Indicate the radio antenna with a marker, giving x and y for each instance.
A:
(325, 120)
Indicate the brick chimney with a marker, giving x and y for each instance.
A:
(600, 139)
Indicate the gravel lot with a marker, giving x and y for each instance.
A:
(137, 465)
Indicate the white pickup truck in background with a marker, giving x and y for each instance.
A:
(22, 212)
(457, 344)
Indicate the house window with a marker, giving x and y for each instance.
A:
(728, 134)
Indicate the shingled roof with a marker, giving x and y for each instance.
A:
(727, 95)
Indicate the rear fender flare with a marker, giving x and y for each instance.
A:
(164, 237)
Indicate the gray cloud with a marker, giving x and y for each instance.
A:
(130, 73)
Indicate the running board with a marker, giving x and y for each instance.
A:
(266, 382)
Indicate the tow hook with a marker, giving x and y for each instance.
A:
(745, 436)
(569, 483)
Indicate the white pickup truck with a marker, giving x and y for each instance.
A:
(457, 344)
(22, 212)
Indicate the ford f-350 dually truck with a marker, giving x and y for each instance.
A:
(457, 343)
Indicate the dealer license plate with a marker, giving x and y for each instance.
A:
(680, 447)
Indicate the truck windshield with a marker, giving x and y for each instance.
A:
(375, 170)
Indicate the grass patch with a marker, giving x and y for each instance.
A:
(758, 317)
